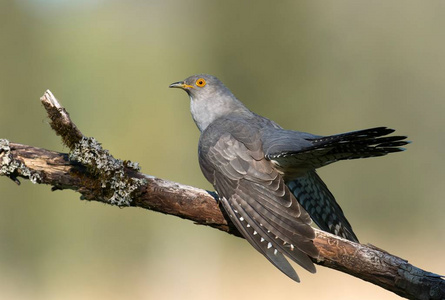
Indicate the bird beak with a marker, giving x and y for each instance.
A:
(181, 85)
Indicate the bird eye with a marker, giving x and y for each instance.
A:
(200, 82)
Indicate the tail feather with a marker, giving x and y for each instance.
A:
(313, 194)
(362, 143)
(324, 150)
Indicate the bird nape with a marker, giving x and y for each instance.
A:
(266, 176)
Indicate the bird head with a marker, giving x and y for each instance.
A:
(201, 86)
(210, 99)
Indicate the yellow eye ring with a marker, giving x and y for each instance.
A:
(200, 82)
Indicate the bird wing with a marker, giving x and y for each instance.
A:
(257, 200)
(313, 194)
(301, 150)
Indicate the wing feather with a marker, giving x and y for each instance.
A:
(267, 236)
(258, 202)
(249, 232)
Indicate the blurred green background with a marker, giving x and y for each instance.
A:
(319, 66)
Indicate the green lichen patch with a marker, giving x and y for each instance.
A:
(11, 167)
(114, 181)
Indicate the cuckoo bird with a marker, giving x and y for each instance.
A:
(265, 175)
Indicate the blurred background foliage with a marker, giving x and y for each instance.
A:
(319, 66)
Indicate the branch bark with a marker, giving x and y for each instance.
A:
(96, 175)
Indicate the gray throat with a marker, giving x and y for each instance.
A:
(204, 112)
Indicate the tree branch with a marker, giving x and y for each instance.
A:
(96, 175)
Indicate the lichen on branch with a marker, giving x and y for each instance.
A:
(110, 172)
(12, 167)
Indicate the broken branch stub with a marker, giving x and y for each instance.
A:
(113, 182)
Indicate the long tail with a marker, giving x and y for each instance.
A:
(360, 144)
